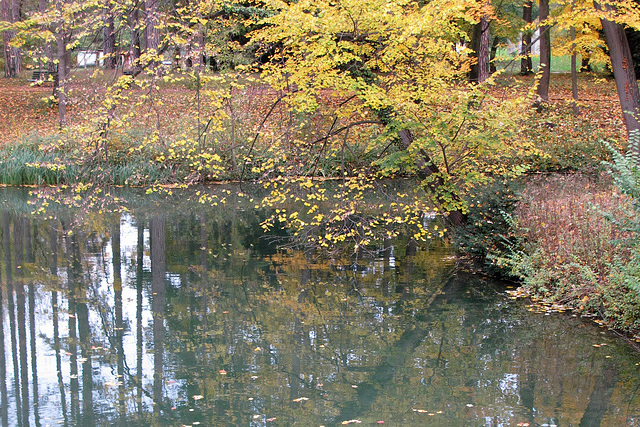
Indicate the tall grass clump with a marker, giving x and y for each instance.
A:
(573, 249)
(26, 164)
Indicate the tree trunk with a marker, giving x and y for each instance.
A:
(62, 77)
(480, 45)
(135, 36)
(109, 41)
(574, 71)
(623, 72)
(12, 56)
(5, 15)
(545, 52)
(526, 67)
(48, 48)
(16, 54)
(152, 34)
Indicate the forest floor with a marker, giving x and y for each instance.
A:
(26, 108)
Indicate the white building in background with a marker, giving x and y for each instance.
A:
(88, 58)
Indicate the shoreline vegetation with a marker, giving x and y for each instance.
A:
(563, 226)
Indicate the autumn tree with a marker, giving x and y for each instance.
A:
(404, 79)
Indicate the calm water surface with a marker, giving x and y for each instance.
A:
(179, 314)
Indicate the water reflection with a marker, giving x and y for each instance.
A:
(155, 318)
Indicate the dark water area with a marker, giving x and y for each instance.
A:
(173, 313)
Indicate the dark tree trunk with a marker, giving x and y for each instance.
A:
(5, 15)
(152, 35)
(109, 41)
(526, 67)
(623, 72)
(10, 12)
(545, 52)
(480, 45)
(135, 36)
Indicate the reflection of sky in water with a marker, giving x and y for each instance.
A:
(389, 337)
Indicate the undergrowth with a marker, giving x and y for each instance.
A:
(570, 247)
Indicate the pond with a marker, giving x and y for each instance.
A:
(177, 313)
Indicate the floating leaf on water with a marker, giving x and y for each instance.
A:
(300, 399)
(352, 422)
(271, 419)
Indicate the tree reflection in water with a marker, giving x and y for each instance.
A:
(172, 315)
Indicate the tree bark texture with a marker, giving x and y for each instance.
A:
(151, 26)
(135, 35)
(12, 56)
(545, 52)
(480, 45)
(623, 72)
(109, 41)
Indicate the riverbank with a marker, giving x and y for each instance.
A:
(571, 242)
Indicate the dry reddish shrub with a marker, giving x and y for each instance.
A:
(570, 242)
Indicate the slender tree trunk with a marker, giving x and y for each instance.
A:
(574, 70)
(483, 53)
(623, 72)
(526, 67)
(5, 15)
(10, 12)
(16, 54)
(62, 78)
(545, 52)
